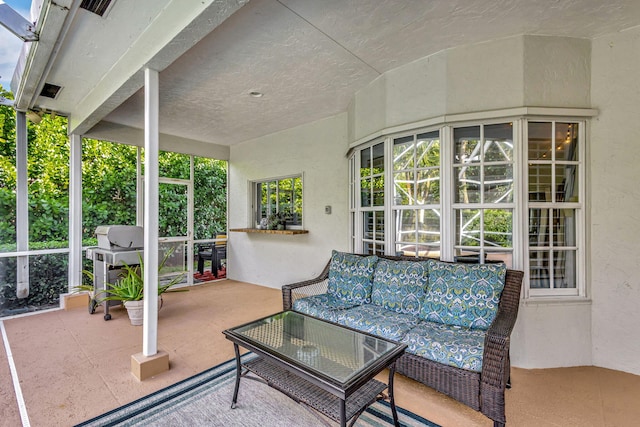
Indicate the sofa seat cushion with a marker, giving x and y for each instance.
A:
(351, 276)
(447, 344)
(324, 306)
(463, 294)
(400, 286)
(378, 321)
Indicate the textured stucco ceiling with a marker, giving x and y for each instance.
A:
(308, 57)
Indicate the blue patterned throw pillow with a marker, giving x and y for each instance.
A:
(350, 276)
(400, 286)
(463, 294)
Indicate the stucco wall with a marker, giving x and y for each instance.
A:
(513, 72)
(520, 71)
(615, 201)
(318, 151)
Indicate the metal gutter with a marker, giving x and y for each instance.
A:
(37, 58)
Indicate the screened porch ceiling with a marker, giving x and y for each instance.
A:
(305, 59)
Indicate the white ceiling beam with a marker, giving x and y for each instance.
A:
(174, 31)
(116, 132)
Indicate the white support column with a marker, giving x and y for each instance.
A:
(22, 206)
(75, 211)
(139, 188)
(151, 180)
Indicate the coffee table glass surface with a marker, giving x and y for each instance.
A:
(336, 352)
(329, 360)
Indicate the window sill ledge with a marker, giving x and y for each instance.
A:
(257, 230)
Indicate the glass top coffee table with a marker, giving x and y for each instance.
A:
(333, 366)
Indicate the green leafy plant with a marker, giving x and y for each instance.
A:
(130, 287)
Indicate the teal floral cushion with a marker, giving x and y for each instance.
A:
(378, 321)
(448, 344)
(324, 306)
(463, 294)
(400, 286)
(350, 277)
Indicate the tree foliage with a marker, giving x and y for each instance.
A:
(108, 196)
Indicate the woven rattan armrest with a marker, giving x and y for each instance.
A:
(495, 361)
(297, 290)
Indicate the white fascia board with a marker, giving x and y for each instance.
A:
(174, 31)
(35, 56)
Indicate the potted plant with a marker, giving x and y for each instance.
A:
(130, 287)
(276, 221)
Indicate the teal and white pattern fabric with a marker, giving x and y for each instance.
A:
(447, 344)
(378, 321)
(351, 276)
(324, 306)
(400, 286)
(463, 294)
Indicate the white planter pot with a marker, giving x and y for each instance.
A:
(135, 309)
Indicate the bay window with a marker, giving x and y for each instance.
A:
(485, 192)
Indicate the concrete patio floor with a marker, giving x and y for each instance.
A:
(73, 366)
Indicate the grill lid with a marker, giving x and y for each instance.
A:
(120, 237)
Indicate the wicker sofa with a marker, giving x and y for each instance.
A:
(458, 348)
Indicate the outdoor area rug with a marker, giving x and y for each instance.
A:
(205, 400)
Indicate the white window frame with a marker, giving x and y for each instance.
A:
(520, 204)
(255, 203)
(577, 207)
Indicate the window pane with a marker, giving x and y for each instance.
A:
(379, 221)
(467, 227)
(406, 226)
(403, 149)
(467, 180)
(497, 257)
(297, 201)
(285, 196)
(540, 183)
(498, 184)
(428, 149)
(263, 190)
(373, 225)
(428, 191)
(538, 227)
(369, 225)
(365, 162)
(564, 269)
(539, 141)
(404, 189)
(539, 274)
(567, 141)
(566, 183)
(498, 227)
(378, 158)
(373, 248)
(564, 227)
(428, 226)
(498, 143)
(365, 192)
(378, 191)
(467, 144)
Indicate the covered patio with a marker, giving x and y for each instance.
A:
(80, 367)
(526, 115)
